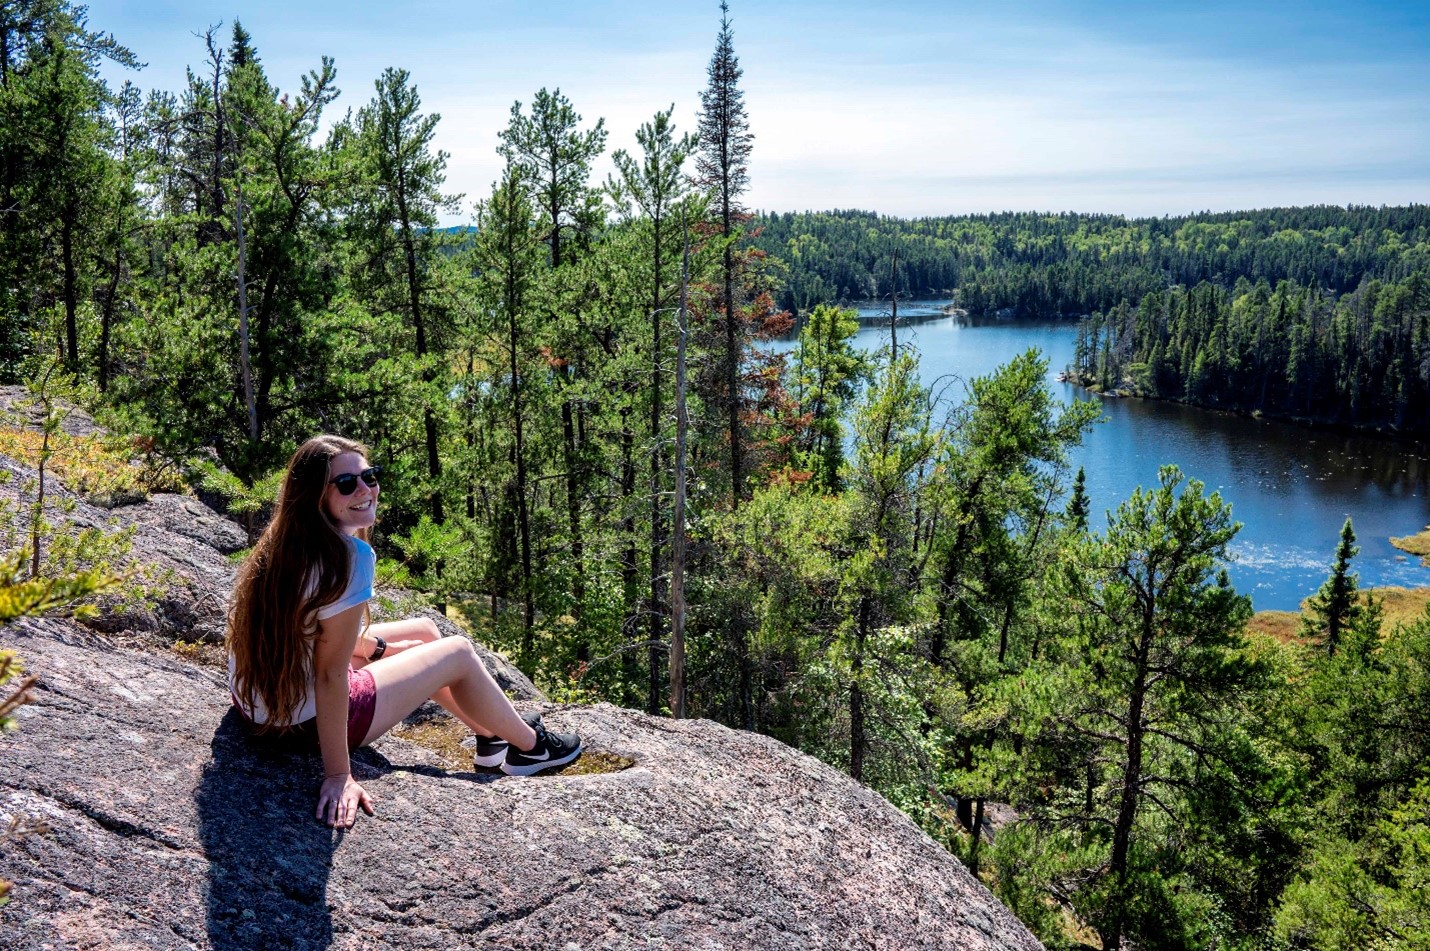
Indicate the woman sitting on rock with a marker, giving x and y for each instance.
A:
(303, 661)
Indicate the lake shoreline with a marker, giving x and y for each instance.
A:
(1293, 485)
(1402, 605)
(1418, 438)
(1417, 544)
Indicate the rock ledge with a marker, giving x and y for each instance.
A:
(170, 828)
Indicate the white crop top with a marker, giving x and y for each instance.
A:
(358, 591)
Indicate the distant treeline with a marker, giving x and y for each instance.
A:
(1045, 265)
(1360, 360)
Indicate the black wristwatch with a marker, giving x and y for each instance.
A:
(379, 650)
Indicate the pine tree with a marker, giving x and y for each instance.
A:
(1336, 607)
(829, 371)
(725, 143)
(1149, 688)
(505, 253)
(1078, 505)
(553, 156)
(56, 169)
(652, 188)
(404, 176)
(894, 439)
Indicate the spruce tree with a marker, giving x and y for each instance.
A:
(1336, 607)
(725, 143)
(1078, 505)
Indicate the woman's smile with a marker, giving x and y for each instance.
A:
(357, 510)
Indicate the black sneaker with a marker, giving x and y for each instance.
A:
(551, 750)
(491, 750)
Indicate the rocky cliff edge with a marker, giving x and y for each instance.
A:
(166, 826)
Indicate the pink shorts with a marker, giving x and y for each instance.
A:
(362, 704)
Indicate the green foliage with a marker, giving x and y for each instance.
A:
(22, 595)
(1363, 881)
(239, 497)
(1078, 504)
(828, 372)
(1317, 313)
(554, 159)
(1287, 351)
(432, 558)
(1336, 606)
(1139, 717)
(902, 586)
(1067, 265)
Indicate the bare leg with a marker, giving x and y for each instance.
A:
(422, 672)
(424, 630)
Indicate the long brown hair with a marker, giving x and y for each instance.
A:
(300, 563)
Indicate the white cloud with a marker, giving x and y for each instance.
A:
(909, 111)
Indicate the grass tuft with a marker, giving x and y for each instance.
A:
(1417, 544)
(1401, 606)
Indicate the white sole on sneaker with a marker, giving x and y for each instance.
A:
(491, 759)
(533, 768)
(532, 718)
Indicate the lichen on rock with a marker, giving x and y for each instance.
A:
(169, 826)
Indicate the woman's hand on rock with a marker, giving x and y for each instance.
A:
(339, 801)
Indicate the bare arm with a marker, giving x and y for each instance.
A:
(367, 643)
(340, 797)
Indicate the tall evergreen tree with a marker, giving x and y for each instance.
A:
(1148, 684)
(56, 168)
(1078, 505)
(725, 144)
(404, 176)
(553, 157)
(505, 250)
(652, 188)
(894, 439)
(828, 374)
(1335, 607)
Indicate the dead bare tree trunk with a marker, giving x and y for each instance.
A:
(244, 360)
(677, 521)
(894, 308)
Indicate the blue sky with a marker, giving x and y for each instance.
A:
(910, 108)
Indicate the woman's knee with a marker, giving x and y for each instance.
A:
(459, 650)
(426, 630)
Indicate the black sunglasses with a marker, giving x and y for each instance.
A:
(347, 482)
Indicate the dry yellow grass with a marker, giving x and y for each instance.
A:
(1282, 625)
(1417, 544)
(97, 466)
(444, 737)
(1401, 606)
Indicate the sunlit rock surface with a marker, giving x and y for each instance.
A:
(168, 827)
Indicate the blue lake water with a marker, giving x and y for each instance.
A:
(1290, 486)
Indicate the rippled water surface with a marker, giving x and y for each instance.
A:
(1291, 486)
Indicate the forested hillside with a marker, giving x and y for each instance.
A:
(1068, 265)
(588, 457)
(1321, 314)
(1362, 359)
